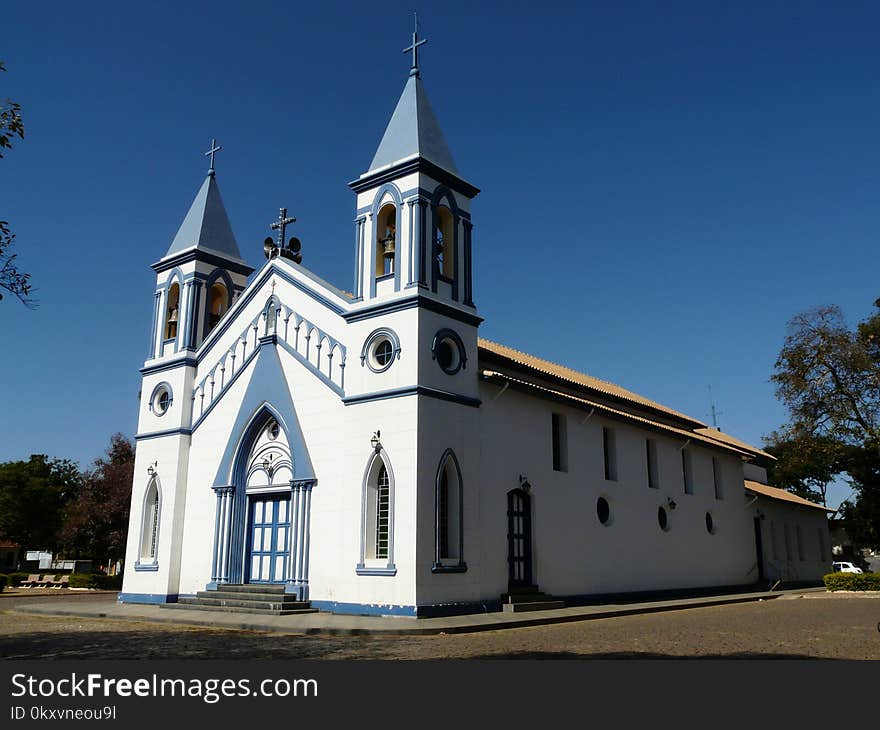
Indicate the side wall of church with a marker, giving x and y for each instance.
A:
(796, 541)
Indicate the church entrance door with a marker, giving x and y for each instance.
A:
(519, 538)
(268, 538)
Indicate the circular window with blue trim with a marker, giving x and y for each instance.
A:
(161, 399)
(448, 350)
(380, 350)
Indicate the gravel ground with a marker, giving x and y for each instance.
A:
(831, 626)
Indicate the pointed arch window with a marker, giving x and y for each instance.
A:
(172, 312)
(148, 551)
(448, 517)
(377, 517)
(270, 315)
(386, 239)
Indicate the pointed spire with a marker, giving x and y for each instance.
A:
(206, 225)
(413, 131)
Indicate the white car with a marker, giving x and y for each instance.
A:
(845, 568)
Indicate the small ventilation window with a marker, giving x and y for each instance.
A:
(663, 519)
(603, 511)
(710, 523)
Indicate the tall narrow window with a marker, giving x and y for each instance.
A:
(651, 462)
(386, 239)
(218, 300)
(687, 471)
(774, 539)
(822, 552)
(172, 312)
(799, 537)
(444, 244)
(788, 551)
(716, 477)
(449, 543)
(382, 512)
(150, 524)
(560, 442)
(609, 449)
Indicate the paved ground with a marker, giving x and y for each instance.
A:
(815, 625)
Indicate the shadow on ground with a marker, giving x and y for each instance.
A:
(210, 644)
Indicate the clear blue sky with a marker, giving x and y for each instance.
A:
(664, 184)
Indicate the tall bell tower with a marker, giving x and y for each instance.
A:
(413, 223)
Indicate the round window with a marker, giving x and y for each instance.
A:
(272, 430)
(161, 400)
(662, 519)
(383, 352)
(710, 524)
(380, 350)
(603, 510)
(449, 352)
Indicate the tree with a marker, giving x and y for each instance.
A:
(11, 278)
(33, 495)
(828, 376)
(96, 522)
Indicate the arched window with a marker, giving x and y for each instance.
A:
(444, 245)
(377, 539)
(218, 301)
(172, 312)
(449, 536)
(386, 239)
(150, 524)
(271, 316)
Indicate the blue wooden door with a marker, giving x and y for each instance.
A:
(268, 539)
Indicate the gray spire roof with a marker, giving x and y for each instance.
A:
(413, 130)
(206, 225)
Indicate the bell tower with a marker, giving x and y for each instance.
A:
(199, 277)
(413, 224)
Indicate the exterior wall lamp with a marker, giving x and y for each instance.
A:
(375, 443)
(670, 502)
(151, 469)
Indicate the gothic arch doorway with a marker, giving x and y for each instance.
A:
(519, 539)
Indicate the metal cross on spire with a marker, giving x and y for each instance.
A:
(211, 152)
(415, 46)
(281, 225)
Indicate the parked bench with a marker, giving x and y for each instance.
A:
(61, 582)
(47, 581)
(31, 581)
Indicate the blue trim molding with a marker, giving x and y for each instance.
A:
(147, 597)
(412, 390)
(416, 300)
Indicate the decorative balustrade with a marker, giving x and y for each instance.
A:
(314, 348)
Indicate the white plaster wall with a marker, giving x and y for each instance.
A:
(778, 562)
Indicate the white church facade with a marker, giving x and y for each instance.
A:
(367, 452)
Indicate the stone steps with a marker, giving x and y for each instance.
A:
(259, 598)
(229, 609)
(528, 598)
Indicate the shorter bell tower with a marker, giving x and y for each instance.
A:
(199, 277)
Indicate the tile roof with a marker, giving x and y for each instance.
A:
(603, 408)
(714, 433)
(782, 495)
(587, 381)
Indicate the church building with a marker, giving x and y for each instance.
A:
(303, 447)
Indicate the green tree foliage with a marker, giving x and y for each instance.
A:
(11, 278)
(96, 521)
(33, 495)
(828, 376)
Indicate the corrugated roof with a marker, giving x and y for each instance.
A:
(682, 433)
(578, 378)
(776, 493)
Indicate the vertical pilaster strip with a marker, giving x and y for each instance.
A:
(307, 540)
(423, 254)
(300, 535)
(468, 263)
(372, 245)
(359, 258)
(154, 331)
(294, 531)
(456, 255)
(215, 561)
(194, 324)
(397, 247)
(411, 247)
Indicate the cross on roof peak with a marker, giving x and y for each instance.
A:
(414, 48)
(211, 152)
